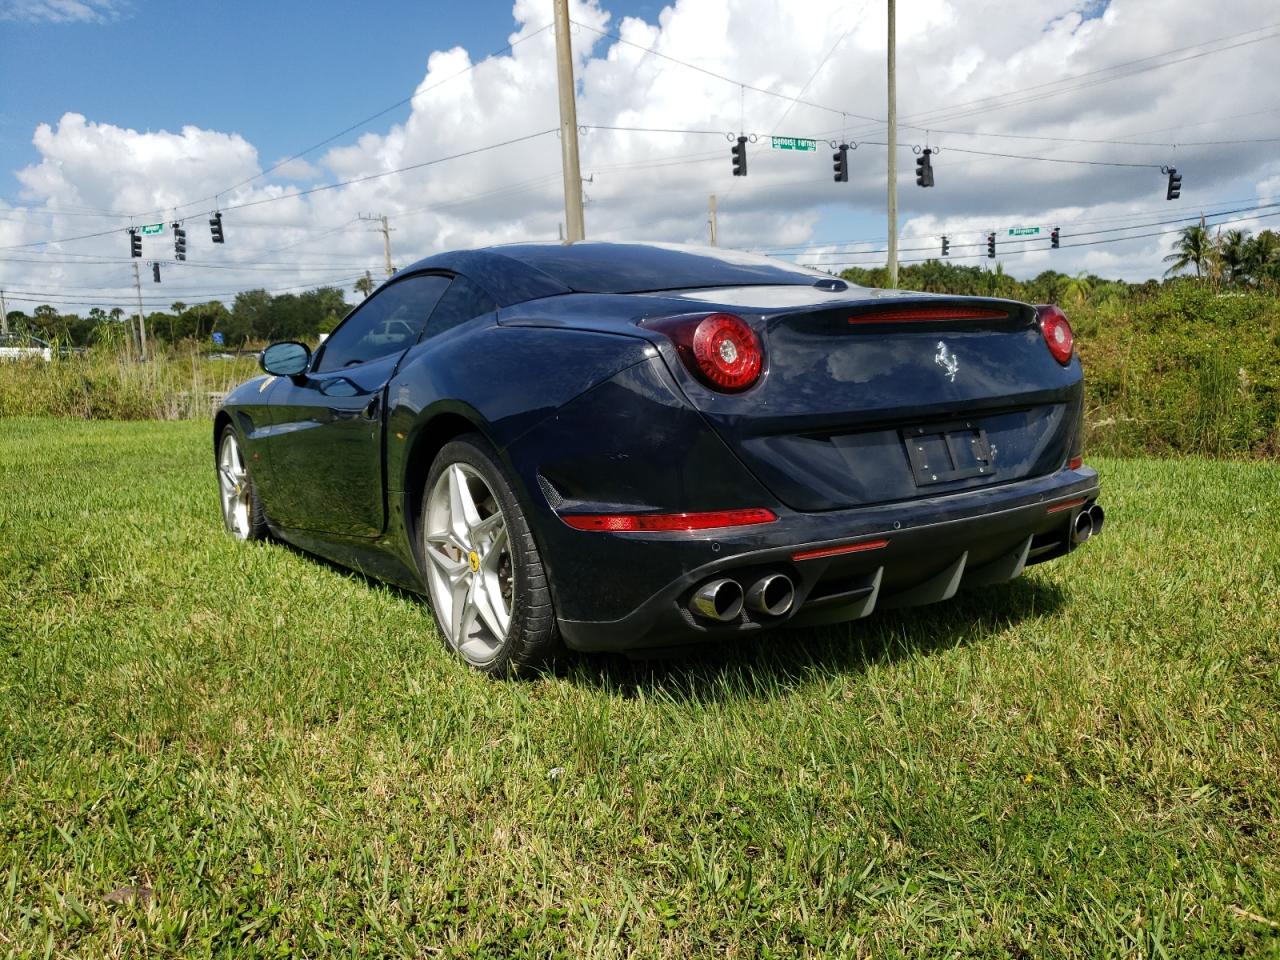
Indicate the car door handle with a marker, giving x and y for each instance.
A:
(371, 411)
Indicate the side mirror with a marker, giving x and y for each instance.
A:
(286, 359)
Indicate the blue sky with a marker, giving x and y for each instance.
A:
(322, 64)
(185, 101)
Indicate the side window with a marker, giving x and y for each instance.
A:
(388, 322)
(462, 301)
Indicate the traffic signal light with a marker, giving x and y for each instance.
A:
(215, 228)
(155, 273)
(1054, 235)
(135, 242)
(1175, 185)
(946, 247)
(924, 169)
(179, 242)
(840, 163)
(991, 245)
(739, 151)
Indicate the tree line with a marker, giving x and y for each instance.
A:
(1230, 259)
(255, 316)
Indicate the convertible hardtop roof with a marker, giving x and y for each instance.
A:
(515, 273)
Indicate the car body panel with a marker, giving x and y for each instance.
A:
(590, 409)
(481, 372)
(335, 419)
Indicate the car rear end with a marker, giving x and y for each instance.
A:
(854, 450)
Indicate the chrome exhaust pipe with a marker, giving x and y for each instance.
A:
(718, 600)
(771, 595)
(1082, 528)
(1097, 517)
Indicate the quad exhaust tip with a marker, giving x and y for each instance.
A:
(771, 595)
(718, 600)
(1088, 523)
(1082, 529)
(1097, 516)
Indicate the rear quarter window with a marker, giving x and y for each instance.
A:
(463, 301)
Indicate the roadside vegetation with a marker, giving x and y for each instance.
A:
(184, 382)
(1190, 365)
(219, 749)
(1177, 368)
(1182, 367)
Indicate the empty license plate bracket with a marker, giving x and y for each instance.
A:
(953, 451)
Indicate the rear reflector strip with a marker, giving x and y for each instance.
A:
(1066, 505)
(858, 547)
(911, 314)
(657, 522)
(1075, 463)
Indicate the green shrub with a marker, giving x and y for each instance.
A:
(1171, 369)
(101, 384)
(1186, 370)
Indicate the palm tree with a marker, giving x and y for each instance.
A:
(1193, 248)
(364, 285)
(1078, 288)
(178, 307)
(1233, 253)
(1262, 256)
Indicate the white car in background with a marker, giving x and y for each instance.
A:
(21, 346)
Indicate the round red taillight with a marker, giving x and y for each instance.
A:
(1057, 333)
(727, 352)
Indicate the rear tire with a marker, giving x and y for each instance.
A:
(482, 569)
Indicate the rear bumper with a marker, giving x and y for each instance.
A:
(932, 547)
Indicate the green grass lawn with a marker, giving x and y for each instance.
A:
(1083, 763)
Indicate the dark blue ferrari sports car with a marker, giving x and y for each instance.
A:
(623, 446)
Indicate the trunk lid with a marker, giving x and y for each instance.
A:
(875, 396)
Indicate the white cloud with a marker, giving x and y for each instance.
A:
(294, 168)
(62, 11)
(953, 56)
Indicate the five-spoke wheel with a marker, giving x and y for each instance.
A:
(483, 572)
(240, 510)
(469, 563)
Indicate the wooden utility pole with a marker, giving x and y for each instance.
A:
(4, 316)
(142, 323)
(711, 211)
(893, 146)
(385, 230)
(568, 126)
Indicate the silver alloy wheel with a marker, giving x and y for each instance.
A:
(233, 484)
(469, 565)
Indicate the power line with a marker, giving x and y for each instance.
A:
(904, 146)
(822, 63)
(1098, 140)
(799, 249)
(720, 76)
(150, 299)
(317, 189)
(1084, 233)
(1071, 84)
(387, 173)
(355, 126)
(1024, 250)
(251, 267)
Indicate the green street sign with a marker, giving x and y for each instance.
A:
(792, 143)
(1023, 231)
(152, 228)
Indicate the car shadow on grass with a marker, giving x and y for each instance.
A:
(770, 662)
(763, 664)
